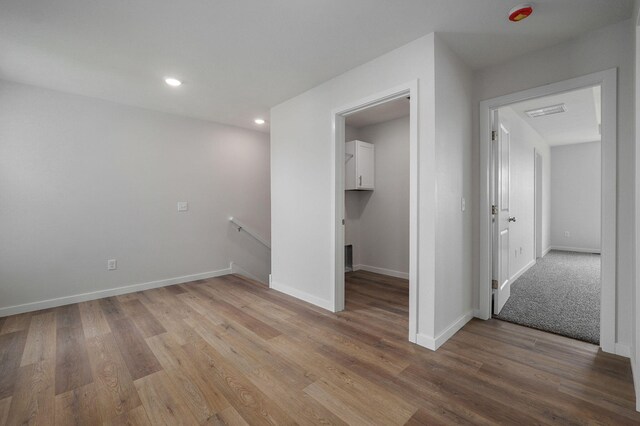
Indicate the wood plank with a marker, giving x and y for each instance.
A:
(33, 401)
(41, 339)
(136, 353)
(5, 404)
(11, 350)
(68, 316)
(116, 393)
(77, 407)
(251, 403)
(173, 357)
(136, 417)
(72, 362)
(16, 323)
(94, 322)
(163, 403)
(143, 319)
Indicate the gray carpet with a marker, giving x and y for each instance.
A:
(560, 294)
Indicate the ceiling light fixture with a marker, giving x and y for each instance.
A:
(259, 121)
(520, 12)
(541, 112)
(174, 82)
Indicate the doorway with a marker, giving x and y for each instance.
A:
(377, 211)
(406, 94)
(552, 270)
(497, 217)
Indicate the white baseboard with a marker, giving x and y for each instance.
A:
(522, 271)
(546, 252)
(298, 294)
(83, 297)
(434, 343)
(622, 350)
(576, 249)
(237, 269)
(382, 271)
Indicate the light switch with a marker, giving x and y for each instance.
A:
(183, 206)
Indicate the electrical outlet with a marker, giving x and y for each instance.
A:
(567, 234)
(463, 204)
(112, 265)
(183, 206)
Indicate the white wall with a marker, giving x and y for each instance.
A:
(454, 243)
(378, 221)
(598, 50)
(84, 180)
(525, 141)
(575, 196)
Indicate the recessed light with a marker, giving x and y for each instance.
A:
(541, 112)
(172, 81)
(259, 121)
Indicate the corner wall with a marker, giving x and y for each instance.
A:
(84, 180)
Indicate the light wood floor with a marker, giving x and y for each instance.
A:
(229, 351)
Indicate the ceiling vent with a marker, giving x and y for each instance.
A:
(541, 112)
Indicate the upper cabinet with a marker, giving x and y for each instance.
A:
(359, 170)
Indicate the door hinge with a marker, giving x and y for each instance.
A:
(494, 135)
(494, 283)
(494, 210)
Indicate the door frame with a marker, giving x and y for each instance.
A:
(538, 184)
(337, 145)
(608, 81)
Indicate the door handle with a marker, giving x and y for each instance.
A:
(360, 181)
(512, 219)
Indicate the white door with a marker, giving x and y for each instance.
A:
(501, 218)
(365, 167)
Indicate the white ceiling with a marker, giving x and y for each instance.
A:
(238, 58)
(379, 113)
(580, 122)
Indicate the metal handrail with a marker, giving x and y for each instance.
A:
(256, 236)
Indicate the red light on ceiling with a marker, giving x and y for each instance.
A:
(520, 13)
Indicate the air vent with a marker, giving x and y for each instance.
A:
(541, 112)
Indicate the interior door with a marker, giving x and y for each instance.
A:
(502, 219)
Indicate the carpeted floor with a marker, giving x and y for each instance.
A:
(560, 294)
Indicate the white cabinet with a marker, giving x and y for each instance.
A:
(359, 166)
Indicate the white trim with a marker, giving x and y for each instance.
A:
(237, 269)
(623, 350)
(522, 271)
(309, 298)
(608, 81)
(83, 297)
(337, 187)
(382, 271)
(546, 252)
(433, 344)
(576, 249)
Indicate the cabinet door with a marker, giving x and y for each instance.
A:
(365, 158)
